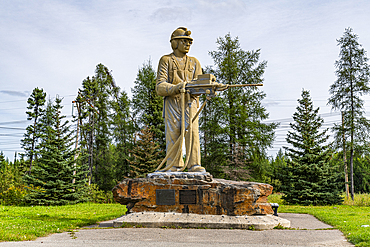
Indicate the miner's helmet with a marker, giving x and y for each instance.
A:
(181, 33)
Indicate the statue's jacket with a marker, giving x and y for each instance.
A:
(170, 74)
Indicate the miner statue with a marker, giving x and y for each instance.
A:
(175, 70)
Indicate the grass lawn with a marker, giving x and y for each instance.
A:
(29, 223)
(348, 218)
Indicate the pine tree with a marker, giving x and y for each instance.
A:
(147, 106)
(36, 102)
(51, 180)
(352, 82)
(308, 178)
(145, 156)
(232, 126)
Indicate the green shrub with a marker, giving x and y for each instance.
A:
(96, 195)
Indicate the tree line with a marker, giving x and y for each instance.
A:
(117, 137)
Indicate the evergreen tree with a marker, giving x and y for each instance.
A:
(51, 180)
(123, 136)
(36, 102)
(104, 167)
(2, 160)
(95, 115)
(145, 156)
(308, 178)
(275, 170)
(232, 126)
(352, 82)
(147, 106)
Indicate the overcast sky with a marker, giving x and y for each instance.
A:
(54, 45)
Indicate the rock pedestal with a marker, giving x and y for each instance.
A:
(196, 193)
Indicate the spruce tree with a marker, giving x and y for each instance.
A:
(95, 115)
(50, 182)
(123, 135)
(2, 160)
(352, 82)
(103, 164)
(275, 170)
(144, 157)
(232, 127)
(308, 178)
(36, 103)
(147, 106)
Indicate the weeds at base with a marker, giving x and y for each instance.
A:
(128, 225)
(72, 233)
(171, 227)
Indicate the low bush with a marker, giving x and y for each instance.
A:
(95, 195)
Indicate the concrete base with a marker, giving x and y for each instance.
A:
(177, 220)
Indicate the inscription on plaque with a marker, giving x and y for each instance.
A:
(188, 196)
(165, 197)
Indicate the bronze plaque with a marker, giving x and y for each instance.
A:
(165, 197)
(188, 196)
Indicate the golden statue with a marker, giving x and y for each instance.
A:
(174, 72)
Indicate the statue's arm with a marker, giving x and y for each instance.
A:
(198, 69)
(163, 86)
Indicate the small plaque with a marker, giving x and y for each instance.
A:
(165, 197)
(188, 196)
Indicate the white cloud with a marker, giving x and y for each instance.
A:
(56, 44)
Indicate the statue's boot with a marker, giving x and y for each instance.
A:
(197, 168)
(172, 169)
(175, 169)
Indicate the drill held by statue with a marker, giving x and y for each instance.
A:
(206, 84)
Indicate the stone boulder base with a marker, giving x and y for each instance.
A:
(193, 193)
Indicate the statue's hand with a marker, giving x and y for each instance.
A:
(222, 87)
(179, 86)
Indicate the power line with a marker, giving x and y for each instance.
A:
(14, 122)
(12, 128)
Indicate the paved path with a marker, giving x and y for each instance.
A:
(149, 237)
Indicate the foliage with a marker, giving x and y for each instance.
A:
(361, 170)
(146, 105)
(361, 200)
(29, 223)
(3, 162)
(95, 195)
(94, 108)
(144, 157)
(308, 178)
(233, 135)
(275, 169)
(352, 82)
(123, 131)
(12, 188)
(106, 128)
(57, 178)
(35, 107)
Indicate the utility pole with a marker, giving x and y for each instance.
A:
(345, 158)
(77, 134)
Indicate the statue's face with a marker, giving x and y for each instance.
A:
(184, 45)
